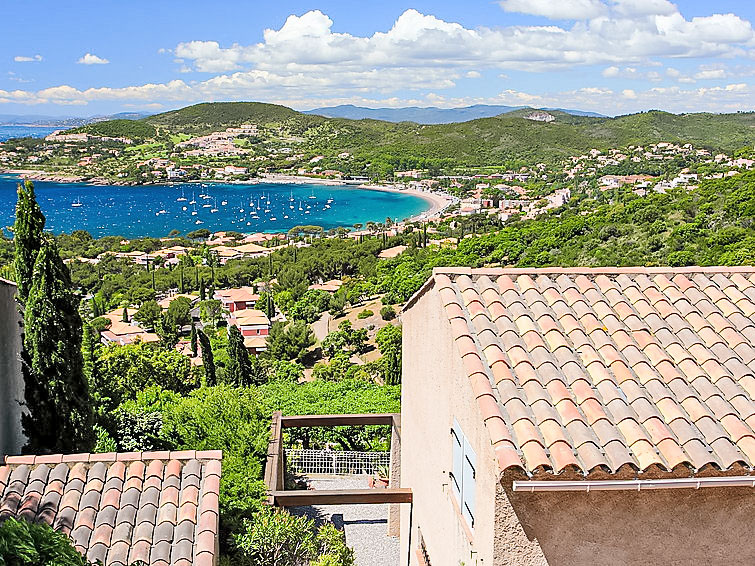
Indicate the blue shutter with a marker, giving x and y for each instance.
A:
(469, 473)
(458, 459)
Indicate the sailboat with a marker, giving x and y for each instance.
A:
(214, 209)
(76, 203)
(291, 198)
(313, 194)
(182, 197)
(300, 208)
(193, 199)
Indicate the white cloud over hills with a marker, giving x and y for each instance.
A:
(305, 63)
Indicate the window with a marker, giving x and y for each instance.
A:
(463, 474)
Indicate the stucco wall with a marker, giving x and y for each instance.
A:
(11, 381)
(435, 389)
(712, 526)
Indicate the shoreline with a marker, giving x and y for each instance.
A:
(438, 201)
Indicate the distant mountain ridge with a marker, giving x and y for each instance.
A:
(429, 115)
(65, 121)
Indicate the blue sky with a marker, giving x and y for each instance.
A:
(611, 56)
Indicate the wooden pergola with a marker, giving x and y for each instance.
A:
(275, 470)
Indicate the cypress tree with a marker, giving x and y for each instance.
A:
(59, 410)
(193, 340)
(208, 360)
(125, 314)
(181, 280)
(238, 370)
(27, 238)
(202, 292)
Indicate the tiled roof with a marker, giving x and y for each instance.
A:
(606, 371)
(157, 507)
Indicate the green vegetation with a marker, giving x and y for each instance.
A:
(131, 129)
(277, 538)
(23, 543)
(59, 411)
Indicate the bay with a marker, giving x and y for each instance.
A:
(155, 210)
(8, 132)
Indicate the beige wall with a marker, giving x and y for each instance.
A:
(711, 526)
(11, 381)
(435, 389)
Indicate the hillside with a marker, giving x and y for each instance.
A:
(429, 115)
(485, 141)
(132, 129)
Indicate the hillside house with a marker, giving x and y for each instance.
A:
(237, 299)
(580, 416)
(254, 326)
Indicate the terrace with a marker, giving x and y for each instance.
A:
(337, 484)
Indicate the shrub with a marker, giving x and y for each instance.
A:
(388, 312)
(277, 538)
(36, 544)
(366, 313)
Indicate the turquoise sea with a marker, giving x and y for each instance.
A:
(155, 210)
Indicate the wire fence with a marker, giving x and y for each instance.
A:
(335, 462)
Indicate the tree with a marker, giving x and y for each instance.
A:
(202, 292)
(58, 402)
(193, 340)
(388, 339)
(124, 318)
(211, 311)
(207, 358)
(149, 314)
(289, 342)
(239, 368)
(27, 238)
(178, 313)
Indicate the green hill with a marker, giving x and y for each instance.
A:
(132, 129)
(212, 116)
(486, 141)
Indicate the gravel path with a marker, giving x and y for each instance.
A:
(365, 526)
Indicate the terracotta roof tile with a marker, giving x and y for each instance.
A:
(608, 368)
(119, 509)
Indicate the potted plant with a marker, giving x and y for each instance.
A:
(381, 476)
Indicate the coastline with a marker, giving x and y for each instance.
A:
(438, 201)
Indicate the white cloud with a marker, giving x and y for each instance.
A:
(90, 59)
(556, 10)
(27, 58)
(473, 74)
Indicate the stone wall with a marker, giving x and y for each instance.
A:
(11, 380)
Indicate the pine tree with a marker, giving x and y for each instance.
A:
(58, 415)
(238, 369)
(208, 360)
(27, 237)
(193, 340)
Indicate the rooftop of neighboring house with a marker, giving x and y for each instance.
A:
(121, 508)
(330, 286)
(237, 294)
(249, 317)
(389, 253)
(609, 371)
(165, 301)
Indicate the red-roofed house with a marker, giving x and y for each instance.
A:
(580, 416)
(254, 326)
(237, 299)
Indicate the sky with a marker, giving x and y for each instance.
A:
(88, 57)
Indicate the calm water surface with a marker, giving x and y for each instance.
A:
(155, 210)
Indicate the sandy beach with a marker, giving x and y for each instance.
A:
(438, 202)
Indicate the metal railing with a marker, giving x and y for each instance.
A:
(335, 462)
